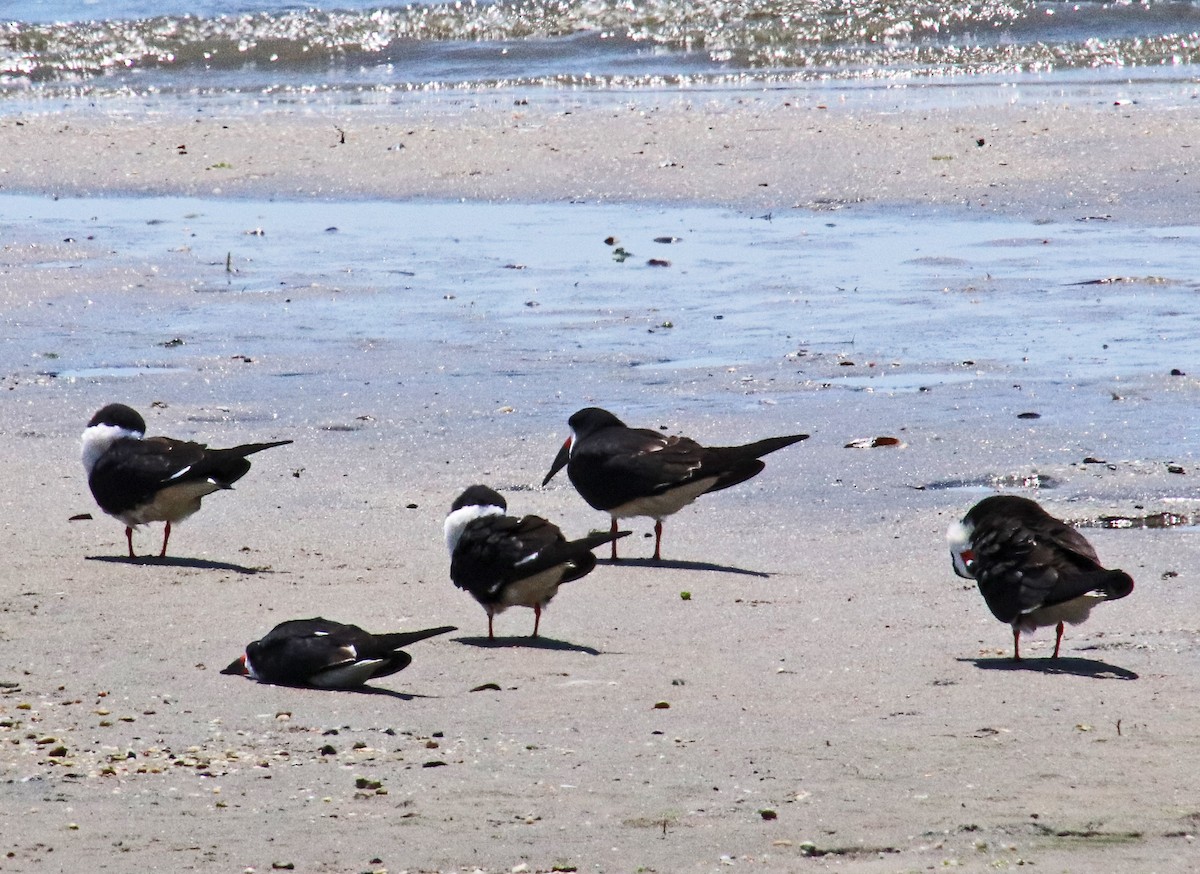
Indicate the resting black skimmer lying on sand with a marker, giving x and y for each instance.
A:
(326, 654)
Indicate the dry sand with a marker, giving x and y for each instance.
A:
(1041, 159)
(837, 699)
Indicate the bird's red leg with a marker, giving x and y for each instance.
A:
(1057, 640)
(166, 537)
(658, 539)
(537, 618)
(613, 529)
(1016, 644)
(491, 634)
(129, 539)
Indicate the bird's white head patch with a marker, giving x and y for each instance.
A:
(962, 554)
(458, 521)
(98, 438)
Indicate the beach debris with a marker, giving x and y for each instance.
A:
(808, 848)
(662, 705)
(1029, 415)
(667, 240)
(1091, 459)
(875, 443)
(1175, 371)
(658, 262)
(1175, 468)
(620, 254)
(172, 343)
(514, 266)
(1114, 280)
(255, 232)
(685, 596)
(1151, 520)
(80, 517)
(768, 814)
(486, 687)
(611, 241)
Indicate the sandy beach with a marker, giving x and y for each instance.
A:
(1042, 159)
(802, 685)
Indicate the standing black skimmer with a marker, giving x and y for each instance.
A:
(326, 654)
(638, 472)
(138, 479)
(507, 562)
(1032, 569)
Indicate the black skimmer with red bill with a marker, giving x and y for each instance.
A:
(326, 654)
(507, 562)
(638, 472)
(1033, 570)
(139, 479)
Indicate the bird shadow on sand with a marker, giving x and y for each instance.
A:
(1076, 667)
(357, 690)
(378, 690)
(527, 643)
(669, 564)
(203, 564)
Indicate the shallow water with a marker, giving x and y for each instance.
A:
(1079, 300)
(476, 307)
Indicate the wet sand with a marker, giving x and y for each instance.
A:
(838, 700)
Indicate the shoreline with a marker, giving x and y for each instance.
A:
(836, 698)
(1130, 163)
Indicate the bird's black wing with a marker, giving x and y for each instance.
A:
(132, 471)
(1022, 565)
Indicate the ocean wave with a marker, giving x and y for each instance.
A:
(539, 41)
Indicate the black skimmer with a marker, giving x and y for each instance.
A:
(638, 472)
(138, 479)
(326, 654)
(1032, 569)
(507, 562)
